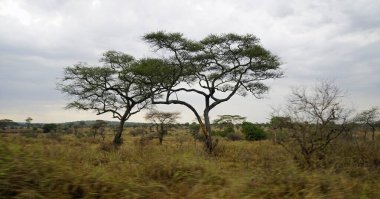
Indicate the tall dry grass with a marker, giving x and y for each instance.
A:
(70, 167)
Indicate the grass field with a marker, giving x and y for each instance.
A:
(43, 166)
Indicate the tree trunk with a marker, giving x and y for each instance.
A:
(117, 139)
(161, 133)
(275, 136)
(373, 133)
(207, 128)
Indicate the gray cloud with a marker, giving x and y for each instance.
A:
(315, 40)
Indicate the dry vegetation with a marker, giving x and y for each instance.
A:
(65, 166)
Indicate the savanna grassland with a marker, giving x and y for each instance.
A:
(49, 165)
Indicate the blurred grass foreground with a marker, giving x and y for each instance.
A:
(66, 166)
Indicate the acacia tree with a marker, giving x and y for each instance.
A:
(110, 88)
(369, 118)
(229, 119)
(228, 123)
(162, 120)
(28, 122)
(216, 68)
(4, 123)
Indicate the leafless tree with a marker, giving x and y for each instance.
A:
(318, 117)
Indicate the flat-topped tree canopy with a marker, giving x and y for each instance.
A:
(110, 88)
(229, 119)
(216, 67)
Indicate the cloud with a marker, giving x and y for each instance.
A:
(314, 39)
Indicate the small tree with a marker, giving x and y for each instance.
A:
(369, 118)
(99, 127)
(162, 120)
(318, 118)
(228, 123)
(111, 88)
(279, 123)
(28, 122)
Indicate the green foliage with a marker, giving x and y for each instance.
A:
(228, 128)
(47, 128)
(4, 123)
(279, 122)
(162, 121)
(215, 66)
(28, 121)
(227, 123)
(369, 119)
(194, 128)
(229, 119)
(253, 132)
(234, 136)
(112, 88)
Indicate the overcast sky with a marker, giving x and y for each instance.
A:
(315, 39)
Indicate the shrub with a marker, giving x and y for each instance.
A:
(136, 132)
(49, 128)
(253, 132)
(219, 133)
(194, 129)
(228, 129)
(199, 137)
(234, 137)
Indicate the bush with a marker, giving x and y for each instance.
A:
(253, 132)
(49, 128)
(194, 129)
(228, 129)
(136, 132)
(234, 137)
(199, 137)
(219, 133)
